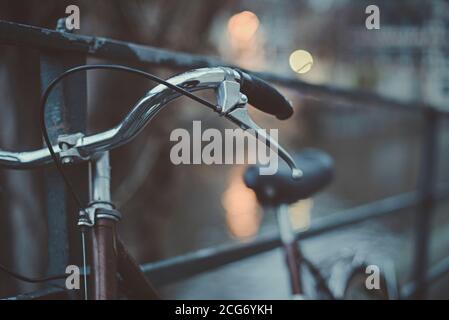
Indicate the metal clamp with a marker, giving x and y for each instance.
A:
(98, 210)
(228, 92)
(68, 145)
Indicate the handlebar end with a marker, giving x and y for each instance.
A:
(265, 97)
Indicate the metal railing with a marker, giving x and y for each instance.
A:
(76, 48)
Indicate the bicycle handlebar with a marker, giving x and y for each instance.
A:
(229, 85)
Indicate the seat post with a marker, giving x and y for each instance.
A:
(290, 248)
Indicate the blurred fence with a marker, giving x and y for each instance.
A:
(61, 50)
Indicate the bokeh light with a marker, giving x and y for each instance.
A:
(240, 204)
(301, 61)
(243, 26)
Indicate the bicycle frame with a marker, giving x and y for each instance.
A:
(295, 260)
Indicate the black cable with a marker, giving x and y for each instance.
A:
(90, 67)
(35, 280)
(28, 279)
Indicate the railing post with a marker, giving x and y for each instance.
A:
(426, 188)
(65, 113)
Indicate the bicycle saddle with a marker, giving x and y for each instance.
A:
(280, 188)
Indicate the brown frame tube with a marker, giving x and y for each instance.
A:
(104, 259)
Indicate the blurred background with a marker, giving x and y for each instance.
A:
(171, 210)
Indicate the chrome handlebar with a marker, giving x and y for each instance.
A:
(231, 103)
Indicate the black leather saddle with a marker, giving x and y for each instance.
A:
(281, 188)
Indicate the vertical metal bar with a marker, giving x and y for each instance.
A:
(100, 176)
(426, 187)
(66, 112)
(290, 248)
(54, 186)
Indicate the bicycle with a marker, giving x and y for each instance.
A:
(276, 193)
(233, 88)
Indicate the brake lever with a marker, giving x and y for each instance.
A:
(233, 105)
(240, 117)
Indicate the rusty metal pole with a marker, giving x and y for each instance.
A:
(66, 112)
(103, 235)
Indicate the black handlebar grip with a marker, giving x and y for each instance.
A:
(265, 97)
